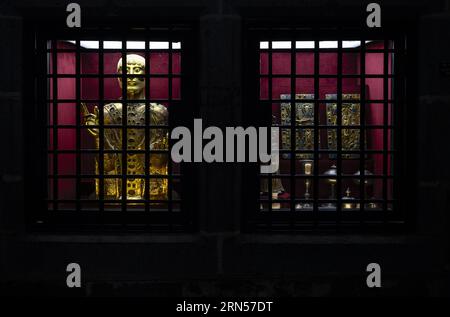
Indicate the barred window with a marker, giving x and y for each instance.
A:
(109, 98)
(337, 102)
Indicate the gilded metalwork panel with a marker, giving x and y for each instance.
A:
(351, 114)
(304, 116)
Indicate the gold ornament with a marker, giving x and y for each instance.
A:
(112, 136)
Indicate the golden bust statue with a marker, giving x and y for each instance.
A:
(135, 161)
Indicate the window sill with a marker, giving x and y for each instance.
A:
(110, 238)
(324, 239)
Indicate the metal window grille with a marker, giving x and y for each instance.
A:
(309, 83)
(81, 62)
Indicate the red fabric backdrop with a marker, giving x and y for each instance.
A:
(66, 116)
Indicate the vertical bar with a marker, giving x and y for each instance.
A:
(256, 43)
(269, 180)
(362, 131)
(169, 162)
(147, 123)
(385, 127)
(55, 124)
(293, 145)
(339, 136)
(101, 129)
(124, 76)
(78, 123)
(316, 131)
(42, 85)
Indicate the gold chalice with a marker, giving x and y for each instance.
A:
(332, 180)
(307, 169)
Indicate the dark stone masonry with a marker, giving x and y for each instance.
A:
(218, 258)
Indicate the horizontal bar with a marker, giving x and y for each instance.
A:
(322, 176)
(323, 50)
(115, 75)
(106, 101)
(115, 176)
(107, 126)
(324, 126)
(97, 151)
(266, 100)
(114, 201)
(289, 76)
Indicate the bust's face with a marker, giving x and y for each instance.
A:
(135, 65)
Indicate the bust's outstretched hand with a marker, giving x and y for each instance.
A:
(90, 119)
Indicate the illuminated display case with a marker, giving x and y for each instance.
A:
(98, 132)
(109, 105)
(340, 165)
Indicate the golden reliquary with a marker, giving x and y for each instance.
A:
(350, 117)
(135, 143)
(304, 116)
